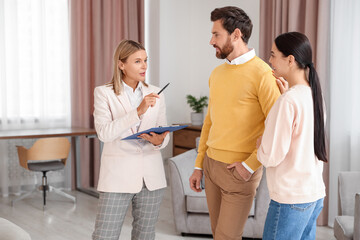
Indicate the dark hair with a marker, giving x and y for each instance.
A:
(232, 18)
(298, 45)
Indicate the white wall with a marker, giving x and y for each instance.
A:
(177, 35)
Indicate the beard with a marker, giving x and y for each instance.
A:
(225, 50)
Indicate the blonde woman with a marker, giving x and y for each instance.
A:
(131, 171)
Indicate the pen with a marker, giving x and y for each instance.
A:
(163, 88)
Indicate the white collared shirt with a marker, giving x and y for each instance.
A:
(243, 58)
(135, 96)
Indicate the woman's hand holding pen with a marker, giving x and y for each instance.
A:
(155, 139)
(149, 100)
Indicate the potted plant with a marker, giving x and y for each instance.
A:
(197, 105)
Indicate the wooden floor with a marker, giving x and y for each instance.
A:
(64, 220)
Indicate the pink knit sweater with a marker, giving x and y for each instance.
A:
(294, 174)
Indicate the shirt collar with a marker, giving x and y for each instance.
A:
(129, 89)
(243, 58)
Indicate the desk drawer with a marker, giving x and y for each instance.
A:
(185, 138)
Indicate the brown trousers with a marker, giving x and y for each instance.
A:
(229, 198)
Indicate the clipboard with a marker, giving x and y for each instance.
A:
(157, 130)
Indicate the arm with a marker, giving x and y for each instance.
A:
(268, 93)
(275, 142)
(203, 139)
(107, 128)
(195, 178)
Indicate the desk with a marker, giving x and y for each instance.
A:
(73, 132)
(184, 139)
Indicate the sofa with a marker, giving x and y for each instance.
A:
(347, 223)
(191, 214)
(11, 231)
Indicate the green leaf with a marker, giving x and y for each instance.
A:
(197, 105)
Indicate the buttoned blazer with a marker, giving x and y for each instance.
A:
(125, 164)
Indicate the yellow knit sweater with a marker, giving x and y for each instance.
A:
(240, 98)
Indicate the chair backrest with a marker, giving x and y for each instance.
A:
(45, 149)
(348, 187)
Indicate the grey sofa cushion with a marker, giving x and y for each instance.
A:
(198, 223)
(344, 227)
(196, 204)
(11, 231)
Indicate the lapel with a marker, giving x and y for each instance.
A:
(125, 103)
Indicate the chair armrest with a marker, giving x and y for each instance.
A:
(357, 217)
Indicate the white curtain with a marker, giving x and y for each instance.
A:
(344, 94)
(34, 77)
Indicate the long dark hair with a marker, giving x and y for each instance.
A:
(298, 45)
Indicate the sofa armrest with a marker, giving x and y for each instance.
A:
(262, 198)
(181, 167)
(347, 190)
(357, 217)
(185, 163)
(262, 201)
(9, 230)
(197, 142)
(178, 198)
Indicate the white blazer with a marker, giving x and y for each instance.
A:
(125, 164)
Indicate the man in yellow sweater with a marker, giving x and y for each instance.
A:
(242, 92)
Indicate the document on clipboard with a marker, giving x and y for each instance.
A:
(157, 130)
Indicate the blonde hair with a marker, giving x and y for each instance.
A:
(122, 52)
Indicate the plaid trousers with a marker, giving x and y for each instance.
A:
(112, 209)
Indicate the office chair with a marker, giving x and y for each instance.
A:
(47, 154)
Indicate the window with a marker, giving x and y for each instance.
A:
(34, 64)
(34, 79)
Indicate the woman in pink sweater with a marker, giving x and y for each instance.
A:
(292, 147)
